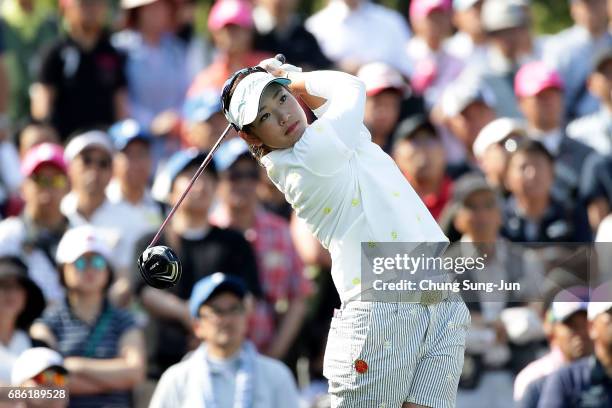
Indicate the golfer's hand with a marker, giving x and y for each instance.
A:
(277, 68)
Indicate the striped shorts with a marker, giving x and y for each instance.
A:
(380, 355)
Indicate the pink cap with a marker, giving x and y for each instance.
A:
(420, 9)
(44, 153)
(535, 77)
(378, 76)
(226, 12)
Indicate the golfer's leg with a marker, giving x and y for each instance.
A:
(371, 357)
(437, 373)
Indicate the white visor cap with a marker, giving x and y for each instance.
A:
(244, 106)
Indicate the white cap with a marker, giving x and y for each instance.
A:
(128, 4)
(597, 308)
(34, 361)
(495, 132)
(85, 140)
(81, 240)
(460, 95)
(244, 105)
(499, 15)
(600, 301)
(378, 76)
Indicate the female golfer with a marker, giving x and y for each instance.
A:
(349, 192)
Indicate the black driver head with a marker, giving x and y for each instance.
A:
(160, 267)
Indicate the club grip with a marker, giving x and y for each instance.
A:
(281, 58)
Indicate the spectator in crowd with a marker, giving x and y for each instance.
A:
(27, 26)
(586, 382)
(42, 368)
(203, 119)
(82, 76)
(595, 130)
(225, 370)
(280, 29)
(202, 248)
(103, 348)
(352, 33)
(468, 43)
(475, 213)
(129, 189)
(34, 132)
(21, 301)
(466, 108)
(385, 89)
(281, 270)
(35, 234)
(492, 148)
(272, 199)
(230, 23)
(540, 95)
(596, 188)
(155, 68)
(571, 53)
(419, 154)
(510, 45)
(532, 213)
(568, 339)
(199, 47)
(434, 66)
(90, 168)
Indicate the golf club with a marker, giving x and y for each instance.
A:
(159, 265)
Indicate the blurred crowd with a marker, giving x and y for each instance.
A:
(108, 108)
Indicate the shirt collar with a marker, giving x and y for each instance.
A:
(551, 140)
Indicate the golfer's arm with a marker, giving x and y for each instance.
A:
(298, 87)
(343, 95)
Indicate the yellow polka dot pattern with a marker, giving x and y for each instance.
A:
(354, 202)
(327, 210)
(394, 235)
(356, 281)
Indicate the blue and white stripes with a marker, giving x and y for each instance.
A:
(405, 352)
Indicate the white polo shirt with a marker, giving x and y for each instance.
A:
(344, 187)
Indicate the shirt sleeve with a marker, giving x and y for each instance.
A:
(553, 392)
(345, 104)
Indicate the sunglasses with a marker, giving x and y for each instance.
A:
(103, 164)
(59, 181)
(96, 262)
(229, 84)
(243, 175)
(51, 377)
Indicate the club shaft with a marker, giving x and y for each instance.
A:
(191, 183)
